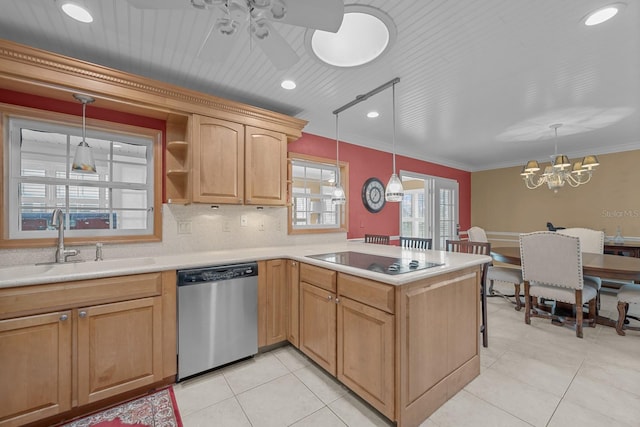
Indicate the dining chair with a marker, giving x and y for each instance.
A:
(552, 269)
(628, 294)
(590, 241)
(477, 248)
(378, 239)
(415, 242)
(500, 274)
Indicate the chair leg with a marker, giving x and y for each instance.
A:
(527, 304)
(579, 313)
(517, 295)
(593, 312)
(622, 314)
(485, 332)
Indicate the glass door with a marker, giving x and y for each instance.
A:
(429, 208)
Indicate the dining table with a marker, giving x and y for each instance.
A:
(600, 265)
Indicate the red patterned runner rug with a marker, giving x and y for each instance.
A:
(158, 409)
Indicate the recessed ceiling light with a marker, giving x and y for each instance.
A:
(366, 33)
(603, 14)
(372, 114)
(77, 12)
(288, 84)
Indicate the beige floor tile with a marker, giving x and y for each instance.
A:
(199, 392)
(227, 413)
(497, 347)
(323, 385)
(291, 358)
(322, 418)
(609, 401)
(613, 375)
(553, 377)
(353, 412)
(254, 372)
(570, 414)
(280, 402)
(510, 395)
(467, 410)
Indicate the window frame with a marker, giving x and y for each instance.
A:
(8, 111)
(344, 209)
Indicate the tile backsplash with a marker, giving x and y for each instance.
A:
(193, 228)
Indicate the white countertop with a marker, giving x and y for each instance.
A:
(22, 275)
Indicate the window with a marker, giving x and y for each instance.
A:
(115, 204)
(312, 183)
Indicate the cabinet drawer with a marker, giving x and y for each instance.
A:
(26, 300)
(367, 291)
(318, 276)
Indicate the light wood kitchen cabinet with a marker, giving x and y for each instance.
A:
(293, 302)
(177, 160)
(366, 341)
(237, 164)
(66, 345)
(345, 329)
(272, 302)
(119, 348)
(218, 161)
(265, 167)
(36, 367)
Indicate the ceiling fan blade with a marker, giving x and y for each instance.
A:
(273, 45)
(323, 15)
(220, 41)
(160, 4)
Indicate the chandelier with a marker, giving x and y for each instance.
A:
(561, 171)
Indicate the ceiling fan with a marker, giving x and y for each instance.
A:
(232, 16)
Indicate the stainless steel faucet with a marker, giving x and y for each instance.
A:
(61, 253)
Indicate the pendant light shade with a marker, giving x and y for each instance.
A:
(83, 160)
(338, 196)
(394, 191)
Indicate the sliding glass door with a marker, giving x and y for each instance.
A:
(429, 208)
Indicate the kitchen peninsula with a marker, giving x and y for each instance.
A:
(404, 342)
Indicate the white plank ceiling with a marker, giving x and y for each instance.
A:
(481, 80)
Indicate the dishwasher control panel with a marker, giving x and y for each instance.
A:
(217, 273)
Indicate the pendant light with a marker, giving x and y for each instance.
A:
(394, 191)
(83, 160)
(338, 196)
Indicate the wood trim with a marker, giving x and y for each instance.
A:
(40, 72)
(169, 324)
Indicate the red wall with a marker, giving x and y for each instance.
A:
(365, 163)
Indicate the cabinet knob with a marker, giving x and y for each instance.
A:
(63, 317)
(82, 314)
(337, 300)
(329, 297)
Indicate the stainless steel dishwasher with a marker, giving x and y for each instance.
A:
(217, 316)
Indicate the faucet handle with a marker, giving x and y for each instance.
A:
(98, 251)
(70, 252)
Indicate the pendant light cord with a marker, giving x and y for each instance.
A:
(84, 124)
(337, 153)
(393, 106)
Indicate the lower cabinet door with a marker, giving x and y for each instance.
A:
(35, 367)
(318, 326)
(366, 353)
(119, 348)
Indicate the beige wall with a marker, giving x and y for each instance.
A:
(500, 202)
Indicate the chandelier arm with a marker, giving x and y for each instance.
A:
(531, 184)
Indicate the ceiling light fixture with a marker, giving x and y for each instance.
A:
(338, 196)
(366, 34)
(288, 84)
(83, 160)
(373, 114)
(76, 11)
(560, 171)
(603, 14)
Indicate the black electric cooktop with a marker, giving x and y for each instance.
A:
(377, 263)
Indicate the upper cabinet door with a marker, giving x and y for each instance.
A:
(265, 167)
(218, 161)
